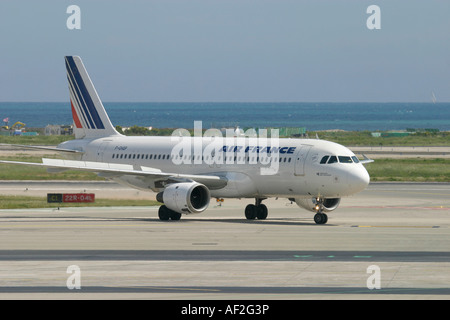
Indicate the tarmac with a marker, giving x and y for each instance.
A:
(390, 241)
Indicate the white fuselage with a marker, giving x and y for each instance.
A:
(295, 165)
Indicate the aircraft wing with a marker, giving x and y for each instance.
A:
(41, 148)
(111, 170)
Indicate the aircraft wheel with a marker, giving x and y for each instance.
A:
(250, 212)
(320, 218)
(164, 213)
(175, 215)
(261, 212)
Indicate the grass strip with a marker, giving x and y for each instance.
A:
(411, 169)
(346, 138)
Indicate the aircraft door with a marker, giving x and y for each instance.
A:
(101, 151)
(300, 159)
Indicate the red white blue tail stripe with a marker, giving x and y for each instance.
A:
(89, 116)
(83, 103)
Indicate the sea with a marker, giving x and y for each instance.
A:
(312, 116)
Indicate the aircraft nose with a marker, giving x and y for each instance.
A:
(359, 179)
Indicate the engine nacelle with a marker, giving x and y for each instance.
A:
(310, 204)
(185, 197)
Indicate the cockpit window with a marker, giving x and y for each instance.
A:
(345, 159)
(324, 160)
(333, 159)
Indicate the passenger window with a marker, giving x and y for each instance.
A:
(343, 159)
(333, 159)
(324, 160)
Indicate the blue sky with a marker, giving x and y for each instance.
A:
(229, 50)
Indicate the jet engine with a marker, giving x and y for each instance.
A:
(328, 205)
(185, 197)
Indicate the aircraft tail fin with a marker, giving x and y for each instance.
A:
(89, 116)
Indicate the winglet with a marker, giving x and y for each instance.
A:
(366, 160)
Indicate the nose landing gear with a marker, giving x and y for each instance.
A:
(320, 217)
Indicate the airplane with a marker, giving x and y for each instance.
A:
(186, 172)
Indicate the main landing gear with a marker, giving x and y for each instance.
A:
(320, 217)
(165, 214)
(257, 210)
